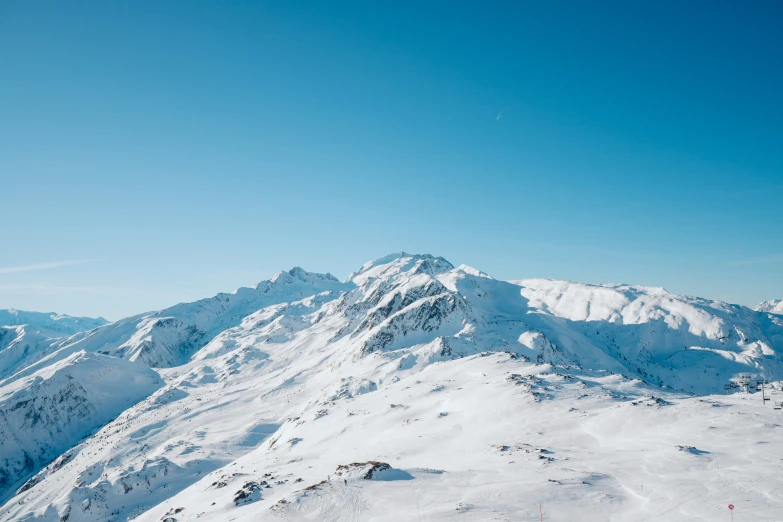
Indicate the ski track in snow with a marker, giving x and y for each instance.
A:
(413, 391)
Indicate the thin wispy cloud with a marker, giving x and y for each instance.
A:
(774, 258)
(42, 266)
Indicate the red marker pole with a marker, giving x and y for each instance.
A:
(731, 510)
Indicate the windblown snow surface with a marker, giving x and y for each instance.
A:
(412, 391)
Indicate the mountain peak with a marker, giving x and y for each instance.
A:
(400, 262)
(773, 306)
(300, 274)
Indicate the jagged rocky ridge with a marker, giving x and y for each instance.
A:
(248, 369)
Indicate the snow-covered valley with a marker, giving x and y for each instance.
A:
(414, 390)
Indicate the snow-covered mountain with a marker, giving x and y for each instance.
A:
(51, 324)
(415, 389)
(774, 306)
(23, 335)
(43, 416)
(169, 337)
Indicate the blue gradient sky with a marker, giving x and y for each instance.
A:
(155, 152)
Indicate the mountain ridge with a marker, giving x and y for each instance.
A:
(304, 375)
(50, 322)
(773, 306)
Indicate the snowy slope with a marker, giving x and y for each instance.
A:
(494, 438)
(53, 325)
(424, 390)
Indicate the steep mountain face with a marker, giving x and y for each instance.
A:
(50, 324)
(44, 415)
(774, 306)
(416, 379)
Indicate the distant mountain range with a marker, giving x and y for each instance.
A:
(774, 307)
(50, 323)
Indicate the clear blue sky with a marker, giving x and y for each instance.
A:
(155, 152)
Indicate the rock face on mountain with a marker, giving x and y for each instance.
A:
(420, 373)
